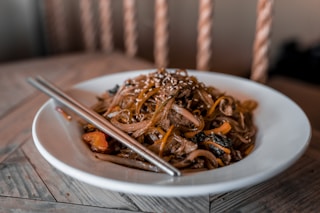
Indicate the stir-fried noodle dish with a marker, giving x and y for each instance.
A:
(190, 125)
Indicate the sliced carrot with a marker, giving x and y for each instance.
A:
(249, 150)
(220, 162)
(226, 150)
(213, 107)
(97, 140)
(223, 129)
(165, 139)
(191, 134)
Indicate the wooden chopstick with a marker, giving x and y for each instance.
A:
(101, 123)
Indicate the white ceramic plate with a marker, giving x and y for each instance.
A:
(284, 134)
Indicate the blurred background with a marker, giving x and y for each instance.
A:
(295, 48)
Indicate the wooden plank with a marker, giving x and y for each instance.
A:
(25, 174)
(171, 204)
(70, 190)
(73, 191)
(16, 126)
(35, 206)
(13, 85)
(79, 67)
(295, 190)
(19, 179)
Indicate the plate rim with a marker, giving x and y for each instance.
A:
(163, 190)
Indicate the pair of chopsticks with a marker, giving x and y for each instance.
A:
(101, 123)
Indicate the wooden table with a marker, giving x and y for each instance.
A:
(29, 184)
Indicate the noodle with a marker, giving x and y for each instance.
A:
(188, 124)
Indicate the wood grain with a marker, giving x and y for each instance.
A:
(35, 206)
(19, 179)
(289, 191)
(43, 178)
(28, 183)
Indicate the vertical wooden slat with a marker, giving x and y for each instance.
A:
(261, 46)
(105, 12)
(88, 28)
(204, 39)
(130, 27)
(161, 33)
(55, 22)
